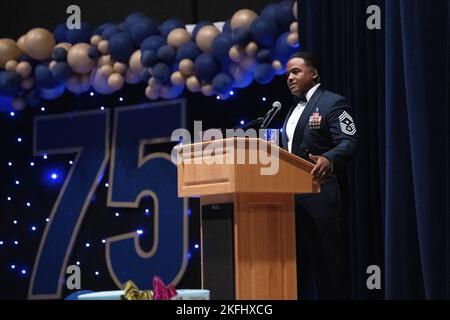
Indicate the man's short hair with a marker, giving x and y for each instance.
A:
(309, 58)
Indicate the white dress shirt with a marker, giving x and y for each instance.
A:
(295, 116)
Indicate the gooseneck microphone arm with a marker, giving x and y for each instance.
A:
(276, 106)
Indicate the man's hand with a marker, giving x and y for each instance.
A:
(322, 168)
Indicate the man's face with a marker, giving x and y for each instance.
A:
(300, 76)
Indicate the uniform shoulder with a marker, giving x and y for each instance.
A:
(333, 97)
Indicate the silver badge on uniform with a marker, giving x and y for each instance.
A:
(347, 124)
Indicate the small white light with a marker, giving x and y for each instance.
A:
(33, 228)
(1, 243)
(117, 214)
(88, 244)
(23, 271)
(147, 211)
(47, 219)
(12, 114)
(102, 108)
(13, 266)
(43, 109)
(28, 204)
(78, 263)
(70, 162)
(217, 97)
(120, 99)
(15, 221)
(242, 122)
(9, 198)
(32, 163)
(92, 94)
(264, 99)
(103, 241)
(45, 156)
(139, 231)
(106, 184)
(17, 182)
(16, 242)
(54, 176)
(231, 93)
(97, 273)
(19, 139)
(10, 164)
(196, 246)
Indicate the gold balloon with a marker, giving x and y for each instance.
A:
(52, 64)
(193, 84)
(100, 83)
(132, 78)
(95, 40)
(292, 39)
(21, 43)
(8, 51)
(65, 45)
(177, 37)
(154, 84)
(11, 65)
(251, 48)
(120, 67)
(116, 81)
(277, 65)
(186, 67)
(39, 43)
(106, 70)
(103, 46)
(105, 60)
(177, 78)
(27, 83)
(152, 93)
(236, 54)
(205, 37)
(243, 19)
(248, 63)
(135, 62)
(78, 58)
(294, 26)
(207, 90)
(19, 103)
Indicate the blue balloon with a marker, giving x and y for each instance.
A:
(221, 46)
(264, 55)
(284, 15)
(241, 36)
(243, 81)
(222, 83)
(152, 43)
(33, 97)
(131, 19)
(145, 75)
(6, 103)
(264, 32)
(169, 25)
(110, 30)
(10, 83)
(59, 54)
(227, 26)
(74, 295)
(101, 28)
(80, 35)
(264, 73)
(198, 26)
(94, 53)
(44, 77)
(206, 67)
(149, 58)
(61, 71)
(142, 29)
(270, 12)
(27, 58)
(282, 49)
(121, 46)
(53, 93)
(188, 50)
(161, 72)
(60, 33)
(166, 54)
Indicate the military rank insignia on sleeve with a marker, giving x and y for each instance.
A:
(347, 124)
(315, 120)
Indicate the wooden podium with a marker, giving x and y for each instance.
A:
(263, 217)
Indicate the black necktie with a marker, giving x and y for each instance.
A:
(302, 99)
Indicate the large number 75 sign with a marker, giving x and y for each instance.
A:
(133, 175)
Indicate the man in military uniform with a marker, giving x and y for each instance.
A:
(319, 128)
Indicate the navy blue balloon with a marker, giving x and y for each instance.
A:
(44, 77)
(284, 15)
(59, 54)
(227, 26)
(83, 34)
(161, 72)
(27, 58)
(33, 97)
(169, 25)
(60, 33)
(270, 12)
(61, 71)
(152, 43)
(149, 58)
(145, 75)
(102, 28)
(221, 46)
(143, 29)
(222, 83)
(264, 55)
(198, 26)
(188, 50)
(264, 73)
(264, 32)
(75, 295)
(206, 67)
(282, 49)
(121, 46)
(131, 19)
(94, 53)
(241, 36)
(9, 83)
(166, 54)
(109, 31)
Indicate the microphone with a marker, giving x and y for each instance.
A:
(276, 106)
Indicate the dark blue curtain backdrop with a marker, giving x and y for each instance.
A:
(398, 186)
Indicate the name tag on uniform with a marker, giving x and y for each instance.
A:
(315, 120)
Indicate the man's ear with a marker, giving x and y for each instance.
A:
(315, 75)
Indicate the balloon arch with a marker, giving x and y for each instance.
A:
(211, 58)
